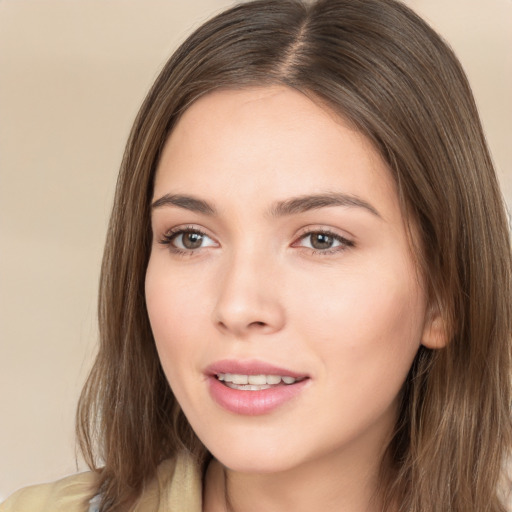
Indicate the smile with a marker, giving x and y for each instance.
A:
(254, 382)
(253, 388)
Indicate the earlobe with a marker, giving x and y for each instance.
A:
(435, 331)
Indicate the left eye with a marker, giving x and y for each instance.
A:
(190, 240)
(322, 241)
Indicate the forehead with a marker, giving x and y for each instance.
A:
(223, 112)
(273, 140)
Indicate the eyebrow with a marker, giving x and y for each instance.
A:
(187, 202)
(314, 202)
(290, 206)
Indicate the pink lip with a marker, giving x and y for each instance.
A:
(252, 403)
(250, 367)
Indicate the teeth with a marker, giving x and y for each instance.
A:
(235, 378)
(274, 379)
(247, 387)
(257, 380)
(254, 380)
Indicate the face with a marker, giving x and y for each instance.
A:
(281, 289)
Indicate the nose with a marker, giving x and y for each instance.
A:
(249, 299)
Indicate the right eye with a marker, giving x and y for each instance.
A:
(187, 240)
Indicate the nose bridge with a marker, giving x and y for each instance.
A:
(248, 293)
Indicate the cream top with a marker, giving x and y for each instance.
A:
(176, 488)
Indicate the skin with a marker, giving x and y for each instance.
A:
(351, 316)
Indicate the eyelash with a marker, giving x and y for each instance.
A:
(345, 243)
(169, 237)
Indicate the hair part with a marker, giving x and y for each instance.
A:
(378, 65)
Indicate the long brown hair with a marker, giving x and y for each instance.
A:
(379, 65)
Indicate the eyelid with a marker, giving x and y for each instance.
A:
(169, 235)
(345, 242)
(322, 228)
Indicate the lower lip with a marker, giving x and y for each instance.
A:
(253, 403)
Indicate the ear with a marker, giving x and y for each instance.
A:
(435, 330)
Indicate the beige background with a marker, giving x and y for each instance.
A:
(72, 75)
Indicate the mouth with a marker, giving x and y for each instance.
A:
(255, 382)
(253, 387)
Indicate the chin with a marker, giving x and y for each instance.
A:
(256, 455)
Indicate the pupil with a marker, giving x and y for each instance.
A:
(192, 240)
(321, 241)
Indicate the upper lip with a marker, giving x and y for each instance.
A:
(250, 367)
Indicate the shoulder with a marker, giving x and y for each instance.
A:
(71, 494)
(176, 486)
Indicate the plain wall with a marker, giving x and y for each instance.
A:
(72, 76)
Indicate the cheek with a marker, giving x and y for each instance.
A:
(176, 315)
(368, 328)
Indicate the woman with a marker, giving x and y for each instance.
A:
(305, 290)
